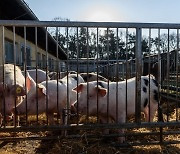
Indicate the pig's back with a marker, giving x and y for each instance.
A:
(52, 87)
(41, 75)
(53, 95)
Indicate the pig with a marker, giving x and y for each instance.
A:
(54, 76)
(9, 90)
(41, 75)
(88, 77)
(72, 80)
(99, 90)
(42, 94)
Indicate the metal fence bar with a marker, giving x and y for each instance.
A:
(89, 126)
(117, 76)
(138, 75)
(4, 86)
(168, 71)
(77, 44)
(109, 65)
(127, 72)
(36, 50)
(66, 112)
(30, 23)
(47, 66)
(97, 67)
(14, 48)
(57, 71)
(177, 75)
(160, 116)
(149, 61)
(107, 43)
(25, 69)
(87, 56)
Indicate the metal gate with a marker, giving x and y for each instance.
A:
(116, 51)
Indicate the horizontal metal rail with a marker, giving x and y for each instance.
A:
(130, 134)
(30, 23)
(132, 143)
(89, 126)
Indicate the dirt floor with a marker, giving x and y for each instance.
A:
(84, 145)
(81, 146)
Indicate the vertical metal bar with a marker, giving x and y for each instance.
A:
(77, 74)
(97, 62)
(127, 68)
(68, 95)
(159, 60)
(3, 48)
(138, 75)
(177, 75)
(36, 50)
(123, 64)
(87, 43)
(77, 43)
(149, 72)
(57, 71)
(3, 62)
(47, 67)
(14, 49)
(168, 71)
(160, 116)
(25, 69)
(117, 74)
(108, 75)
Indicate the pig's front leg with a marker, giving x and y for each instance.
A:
(121, 119)
(51, 118)
(103, 120)
(16, 120)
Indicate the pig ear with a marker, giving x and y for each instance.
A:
(42, 89)
(101, 91)
(79, 88)
(29, 82)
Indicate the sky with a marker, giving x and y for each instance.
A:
(161, 11)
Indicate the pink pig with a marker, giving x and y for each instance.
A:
(100, 90)
(41, 75)
(10, 90)
(51, 96)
